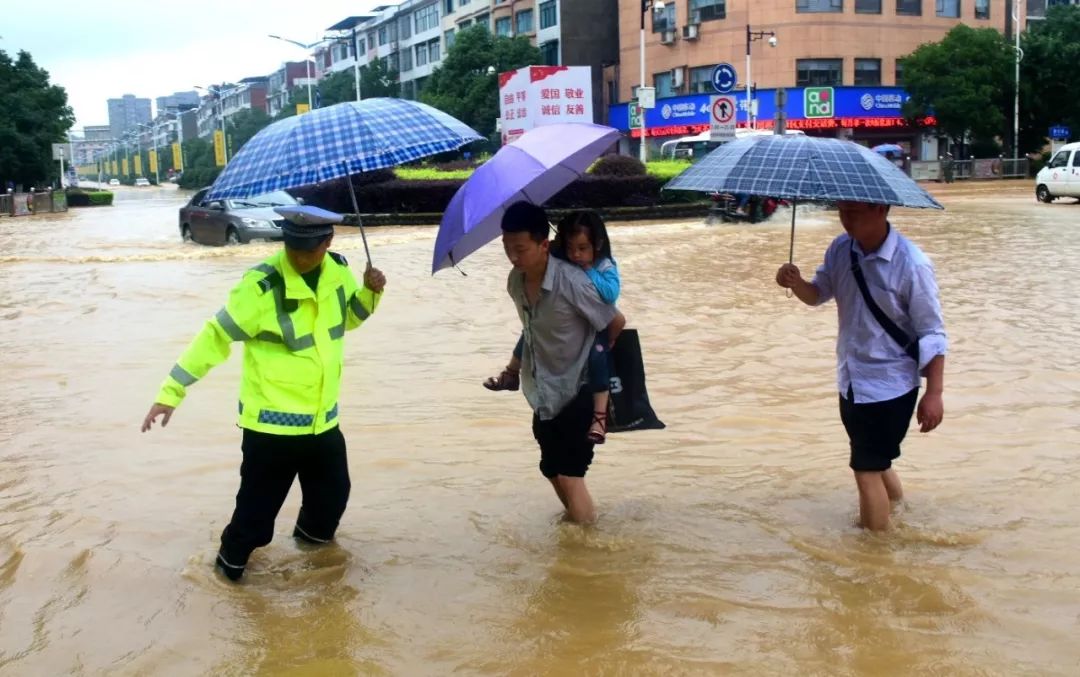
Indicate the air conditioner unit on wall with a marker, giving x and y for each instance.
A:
(667, 37)
(690, 32)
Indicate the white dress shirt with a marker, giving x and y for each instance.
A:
(901, 280)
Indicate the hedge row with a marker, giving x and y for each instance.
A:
(93, 198)
(432, 196)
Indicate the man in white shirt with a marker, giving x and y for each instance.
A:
(878, 375)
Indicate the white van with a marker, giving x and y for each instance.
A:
(699, 145)
(1061, 176)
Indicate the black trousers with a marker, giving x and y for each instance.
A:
(271, 463)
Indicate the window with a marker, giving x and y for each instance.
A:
(523, 22)
(909, 7)
(382, 36)
(405, 28)
(393, 31)
(421, 54)
(1060, 160)
(448, 6)
(502, 27)
(707, 10)
(393, 62)
(899, 82)
(664, 84)
(483, 20)
(949, 9)
(464, 24)
(664, 20)
(361, 46)
(426, 18)
(701, 79)
(549, 53)
(819, 5)
(1076, 159)
(982, 9)
(433, 50)
(371, 40)
(868, 6)
(819, 72)
(449, 37)
(407, 90)
(548, 14)
(406, 60)
(868, 72)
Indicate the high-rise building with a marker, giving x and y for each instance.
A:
(126, 112)
(178, 101)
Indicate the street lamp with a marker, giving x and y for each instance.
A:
(1016, 99)
(216, 91)
(750, 37)
(646, 5)
(307, 61)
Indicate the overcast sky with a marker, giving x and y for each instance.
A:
(105, 49)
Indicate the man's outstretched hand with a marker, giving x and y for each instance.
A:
(155, 411)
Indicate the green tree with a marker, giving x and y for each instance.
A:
(964, 81)
(1049, 79)
(244, 125)
(33, 115)
(462, 86)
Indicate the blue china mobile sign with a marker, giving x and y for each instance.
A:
(865, 107)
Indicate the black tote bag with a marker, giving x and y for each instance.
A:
(629, 407)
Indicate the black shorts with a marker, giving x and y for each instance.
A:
(565, 448)
(876, 429)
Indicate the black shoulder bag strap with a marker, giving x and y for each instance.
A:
(910, 345)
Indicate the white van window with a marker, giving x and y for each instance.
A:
(1060, 160)
(1076, 158)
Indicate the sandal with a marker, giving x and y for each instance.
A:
(506, 380)
(598, 436)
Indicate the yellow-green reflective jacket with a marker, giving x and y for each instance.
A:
(292, 340)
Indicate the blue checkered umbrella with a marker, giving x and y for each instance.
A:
(803, 168)
(338, 141)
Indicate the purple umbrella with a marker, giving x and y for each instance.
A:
(533, 168)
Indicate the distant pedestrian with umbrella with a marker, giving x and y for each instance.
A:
(891, 327)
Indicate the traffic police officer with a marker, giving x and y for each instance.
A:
(291, 313)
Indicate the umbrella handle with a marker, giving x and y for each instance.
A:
(356, 210)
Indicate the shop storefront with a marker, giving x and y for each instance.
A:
(867, 115)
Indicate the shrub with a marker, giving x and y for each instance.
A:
(372, 177)
(618, 165)
(82, 198)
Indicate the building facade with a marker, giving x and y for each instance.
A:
(177, 102)
(126, 112)
(413, 37)
(847, 50)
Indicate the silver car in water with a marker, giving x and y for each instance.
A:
(220, 222)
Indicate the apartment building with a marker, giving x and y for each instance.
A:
(413, 37)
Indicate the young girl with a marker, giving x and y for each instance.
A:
(581, 238)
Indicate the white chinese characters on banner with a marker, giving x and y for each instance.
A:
(543, 95)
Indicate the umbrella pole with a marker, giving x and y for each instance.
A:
(791, 251)
(356, 210)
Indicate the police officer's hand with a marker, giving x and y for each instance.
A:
(155, 411)
(788, 276)
(374, 279)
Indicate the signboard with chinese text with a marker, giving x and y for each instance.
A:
(542, 95)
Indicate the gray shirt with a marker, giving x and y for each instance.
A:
(559, 333)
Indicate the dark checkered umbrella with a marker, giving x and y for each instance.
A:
(803, 169)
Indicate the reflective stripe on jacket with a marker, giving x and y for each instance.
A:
(293, 342)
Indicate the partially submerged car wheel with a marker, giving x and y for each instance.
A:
(185, 234)
(231, 236)
(1043, 194)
